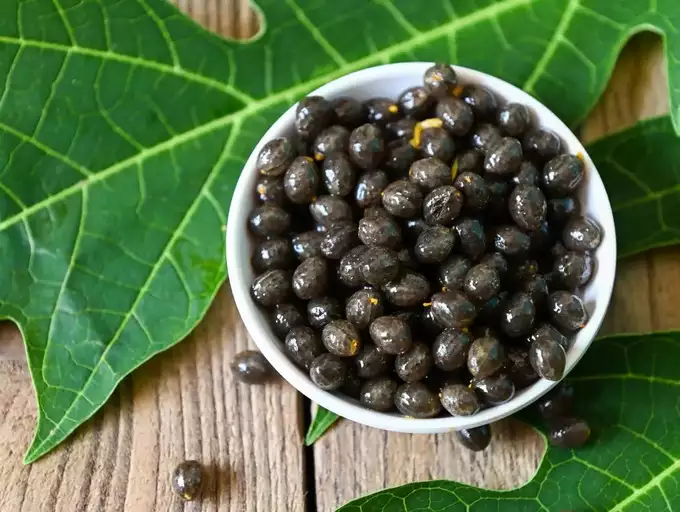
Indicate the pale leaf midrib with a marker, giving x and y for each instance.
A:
(254, 107)
(641, 491)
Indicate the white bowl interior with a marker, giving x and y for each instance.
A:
(389, 81)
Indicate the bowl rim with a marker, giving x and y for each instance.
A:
(238, 261)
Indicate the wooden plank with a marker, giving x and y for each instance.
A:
(353, 460)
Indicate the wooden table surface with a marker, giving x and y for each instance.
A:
(184, 404)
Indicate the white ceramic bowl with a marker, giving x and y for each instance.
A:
(389, 81)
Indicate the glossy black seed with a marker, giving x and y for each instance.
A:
(504, 157)
(415, 102)
(334, 139)
(440, 80)
(414, 364)
(471, 235)
(416, 400)
(401, 129)
(517, 316)
(497, 261)
(328, 371)
(375, 211)
(323, 310)
(349, 270)
(391, 334)
(497, 209)
(567, 311)
(573, 269)
(402, 199)
(251, 367)
(452, 309)
(459, 400)
(492, 309)
(548, 332)
(341, 338)
(519, 368)
(527, 174)
(310, 278)
(366, 146)
(482, 282)
(412, 228)
(450, 349)
(483, 102)
(484, 136)
(378, 394)
(437, 143)
(514, 119)
(510, 241)
(557, 403)
(561, 209)
(285, 317)
(307, 244)
(339, 239)
(269, 189)
(379, 266)
(475, 439)
(434, 244)
(456, 115)
(569, 433)
(187, 480)
(537, 288)
(582, 234)
(312, 115)
(474, 190)
(303, 345)
(408, 290)
(271, 254)
(328, 210)
(471, 160)
(562, 175)
(369, 188)
(269, 220)
(485, 357)
(338, 174)
(527, 206)
(451, 273)
(495, 389)
(380, 230)
(428, 325)
(542, 145)
(400, 156)
(372, 362)
(363, 307)
(442, 205)
(382, 111)
(349, 112)
(275, 157)
(301, 180)
(548, 358)
(430, 173)
(271, 287)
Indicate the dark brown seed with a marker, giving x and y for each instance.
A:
(250, 367)
(569, 433)
(510, 241)
(400, 156)
(334, 139)
(527, 174)
(547, 331)
(269, 220)
(271, 254)
(457, 116)
(408, 290)
(338, 174)
(459, 400)
(573, 269)
(303, 346)
(519, 368)
(562, 175)
(473, 188)
(379, 266)
(372, 362)
(323, 310)
(475, 439)
(401, 129)
(378, 394)
(482, 282)
(557, 403)
(271, 288)
(452, 309)
(369, 188)
(472, 236)
(312, 115)
(450, 349)
(517, 315)
(380, 230)
(270, 190)
(582, 234)
(434, 244)
(495, 389)
(275, 157)
(542, 145)
(352, 385)
(187, 480)
(402, 199)
(382, 111)
(497, 261)
(567, 311)
(415, 102)
(329, 210)
(537, 288)
(452, 272)
(562, 209)
(339, 239)
(366, 146)
(484, 136)
(363, 307)
(504, 157)
(430, 173)
(390, 334)
(486, 357)
(471, 160)
(349, 270)
(412, 229)
(328, 371)
(548, 358)
(414, 364)
(349, 112)
(527, 206)
(285, 317)
(416, 400)
(341, 338)
(440, 80)
(514, 119)
(442, 205)
(310, 278)
(482, 101)
(307, 244)
(437, 143)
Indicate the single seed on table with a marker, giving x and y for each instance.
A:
(187, 480)
(475, 439)
(251, 367)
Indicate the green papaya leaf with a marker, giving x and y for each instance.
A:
(323, 420)
(640, 168)
(124, 126)
(627, 386)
